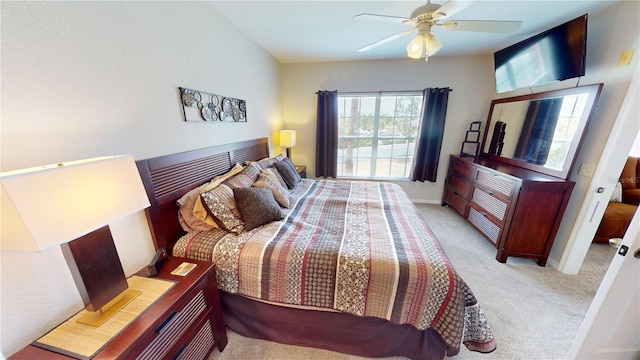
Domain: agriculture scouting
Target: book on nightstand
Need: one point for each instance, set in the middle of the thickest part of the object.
(183, 269)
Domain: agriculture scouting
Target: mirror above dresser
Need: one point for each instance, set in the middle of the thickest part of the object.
(542, 131)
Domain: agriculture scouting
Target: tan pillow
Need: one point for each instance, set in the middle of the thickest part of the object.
(187, 219)
(272, 171)
(281, 194)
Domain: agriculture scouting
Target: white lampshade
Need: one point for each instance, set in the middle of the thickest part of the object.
(287, 138)
(54, 204)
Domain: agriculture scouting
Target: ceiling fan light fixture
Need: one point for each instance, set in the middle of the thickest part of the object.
(415, 47)
(433, 45)
(423, 44)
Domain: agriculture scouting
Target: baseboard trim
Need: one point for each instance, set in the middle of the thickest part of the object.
(428, 202)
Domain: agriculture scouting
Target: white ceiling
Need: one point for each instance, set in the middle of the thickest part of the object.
(313, 31)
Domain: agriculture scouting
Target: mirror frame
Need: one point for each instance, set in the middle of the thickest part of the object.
(594, 93)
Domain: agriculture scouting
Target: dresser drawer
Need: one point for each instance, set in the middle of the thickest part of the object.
(493, 205)
(482, 222)
(495, 183)
(460, 185)
(457, 202)
(463, 168)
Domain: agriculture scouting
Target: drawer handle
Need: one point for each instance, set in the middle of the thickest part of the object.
(166, 322)
(483, 213)
(177, 354)
(489, 192)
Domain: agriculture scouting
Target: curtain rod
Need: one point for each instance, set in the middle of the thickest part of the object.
(380, 92)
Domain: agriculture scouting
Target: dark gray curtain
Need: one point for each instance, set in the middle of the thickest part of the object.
(429, 141)
(537, 132)
(327, 134)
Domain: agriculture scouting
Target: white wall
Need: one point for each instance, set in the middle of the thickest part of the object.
(82, 79)
(470, 77)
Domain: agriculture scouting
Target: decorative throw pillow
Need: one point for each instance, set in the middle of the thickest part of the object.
(257, 206)
(245, 178)
(222, 208)
(268, 162)
(288, 172)
(280, 193)
(186, 218)
(199, 210)
(616, 196)
(273, 172)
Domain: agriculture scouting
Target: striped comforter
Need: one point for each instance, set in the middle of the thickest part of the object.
(356, 247)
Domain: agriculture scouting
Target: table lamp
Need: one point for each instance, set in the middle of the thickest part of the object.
(288, 140)
(70, 205)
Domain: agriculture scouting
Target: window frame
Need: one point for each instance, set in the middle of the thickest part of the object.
(413, 120)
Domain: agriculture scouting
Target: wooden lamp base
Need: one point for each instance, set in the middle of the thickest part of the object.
(97, 318)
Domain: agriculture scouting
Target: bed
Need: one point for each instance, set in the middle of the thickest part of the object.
(348, 266)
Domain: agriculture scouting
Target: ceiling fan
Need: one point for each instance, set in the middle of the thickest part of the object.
(427, 16)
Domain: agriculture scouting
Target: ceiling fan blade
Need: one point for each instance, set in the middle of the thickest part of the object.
(489, 26)
(376, 17)
(386, 40)
(451, 8)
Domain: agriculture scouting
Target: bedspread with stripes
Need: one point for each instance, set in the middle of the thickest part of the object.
(352, 246)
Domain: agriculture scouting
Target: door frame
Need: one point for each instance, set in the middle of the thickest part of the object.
(623, 134)
(608, 324)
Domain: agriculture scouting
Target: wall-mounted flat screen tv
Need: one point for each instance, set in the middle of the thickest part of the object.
(556, 54)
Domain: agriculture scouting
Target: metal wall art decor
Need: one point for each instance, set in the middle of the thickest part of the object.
(200, 106)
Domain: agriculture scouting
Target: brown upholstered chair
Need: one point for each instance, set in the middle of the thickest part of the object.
(618, 215)
(630, 180)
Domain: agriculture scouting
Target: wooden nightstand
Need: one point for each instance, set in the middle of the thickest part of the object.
(185, 321)
(302, 170)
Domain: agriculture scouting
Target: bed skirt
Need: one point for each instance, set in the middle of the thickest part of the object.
(341, 332)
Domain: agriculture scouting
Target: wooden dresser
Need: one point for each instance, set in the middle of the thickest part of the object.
(515, 209)
(185, 322)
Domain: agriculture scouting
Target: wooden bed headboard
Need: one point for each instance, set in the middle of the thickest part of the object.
(166, 178)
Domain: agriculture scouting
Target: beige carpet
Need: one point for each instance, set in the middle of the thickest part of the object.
(534, 312)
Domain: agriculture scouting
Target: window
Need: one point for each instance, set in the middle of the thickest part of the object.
(377, 134)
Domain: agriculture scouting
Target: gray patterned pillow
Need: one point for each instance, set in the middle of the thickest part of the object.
(245, 178)
(288, 172)
(268, 162)
(257, 206)
(221, 213)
